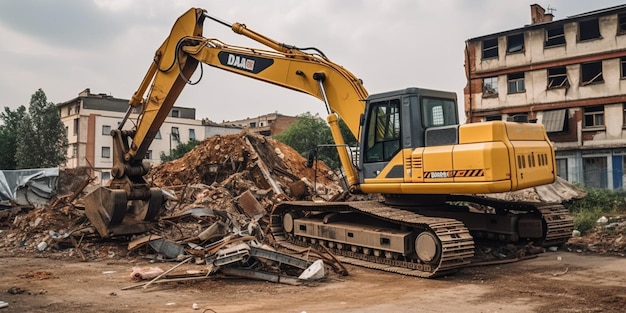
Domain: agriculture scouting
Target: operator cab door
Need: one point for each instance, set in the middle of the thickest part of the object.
(398, 122)
(381, 142)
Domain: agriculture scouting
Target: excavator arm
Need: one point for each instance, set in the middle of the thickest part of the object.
(129, 202)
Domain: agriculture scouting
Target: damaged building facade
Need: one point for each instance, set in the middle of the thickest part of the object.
(568, 74)
(266, 125)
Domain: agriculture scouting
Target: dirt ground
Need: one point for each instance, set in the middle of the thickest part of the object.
(552, 282)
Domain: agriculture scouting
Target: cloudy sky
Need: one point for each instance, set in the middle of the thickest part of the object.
(65, 46)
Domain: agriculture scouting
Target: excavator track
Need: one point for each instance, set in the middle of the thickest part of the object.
(455, 245)
(558, 223)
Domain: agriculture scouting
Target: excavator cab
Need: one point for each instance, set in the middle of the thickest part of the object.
(412, 143)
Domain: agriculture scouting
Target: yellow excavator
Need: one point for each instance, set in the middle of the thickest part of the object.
(411, 150)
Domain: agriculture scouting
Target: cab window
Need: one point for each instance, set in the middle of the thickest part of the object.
(383, 131)
(438, 112)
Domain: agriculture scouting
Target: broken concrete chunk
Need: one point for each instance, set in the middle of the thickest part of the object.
(314, 272)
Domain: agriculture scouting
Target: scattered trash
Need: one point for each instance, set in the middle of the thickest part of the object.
(140, 273)
(575, 233)
(602, 220)
(562, 273)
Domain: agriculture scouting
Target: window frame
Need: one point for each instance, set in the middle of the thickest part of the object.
(621, 23)
(624, 117)
(509, 47)
(517, 79)
(105, 152)
(556, 39)
(592, 30)
(105, 131)
(593, 117)
(593, 78)
(175, 134)
(487, 94)
(559, 165)
(559, 79)
(622, 62)
(489, 49)
(192, 134)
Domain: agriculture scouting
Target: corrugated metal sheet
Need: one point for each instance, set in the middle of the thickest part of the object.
(554, 120)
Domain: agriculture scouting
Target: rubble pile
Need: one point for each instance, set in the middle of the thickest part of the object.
(218, 195)
(245, 161)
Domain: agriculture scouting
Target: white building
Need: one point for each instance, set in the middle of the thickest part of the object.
(568, 74)
(89, 119)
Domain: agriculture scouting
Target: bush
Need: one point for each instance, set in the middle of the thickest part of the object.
(603, 199)
(585, 220)
(589, 209)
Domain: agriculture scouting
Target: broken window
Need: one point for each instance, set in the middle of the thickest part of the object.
(252, 124)
(490, 48)
(516, 82)
(106, 152)
(594, 116)
(515, 43)
(555, 36)
(591, 73)
(621, 23)
(557, 77)
(490, 86)
(589, 29)
(106, 129)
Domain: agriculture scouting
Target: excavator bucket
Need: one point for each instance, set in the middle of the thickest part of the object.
(112, 214)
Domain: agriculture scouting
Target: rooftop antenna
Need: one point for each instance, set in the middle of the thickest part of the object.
(550, 10)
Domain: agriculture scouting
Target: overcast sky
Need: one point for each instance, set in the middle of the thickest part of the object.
(65, 46)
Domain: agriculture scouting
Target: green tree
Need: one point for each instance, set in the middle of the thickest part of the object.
(8, 136)
(180, 150)
(42, 141)
(312, 132)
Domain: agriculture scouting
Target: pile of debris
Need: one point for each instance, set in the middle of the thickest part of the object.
(218, 194)
(608, 237)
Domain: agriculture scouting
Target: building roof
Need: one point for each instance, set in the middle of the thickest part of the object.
(577, 17)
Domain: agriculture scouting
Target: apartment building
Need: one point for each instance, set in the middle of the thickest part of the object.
(568, 74)
(89, 119)
(266, 125)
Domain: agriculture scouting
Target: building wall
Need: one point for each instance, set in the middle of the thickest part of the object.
(589, 154)
(96, 121)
